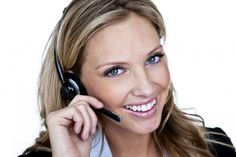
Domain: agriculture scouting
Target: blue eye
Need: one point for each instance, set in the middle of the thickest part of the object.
(154, 59)
(114, 71)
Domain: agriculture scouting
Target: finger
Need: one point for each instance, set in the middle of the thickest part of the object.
(87, 121)
(65, 117)
(94, 120)
(78, 120)
(92, 115)
(89, 99)
(73, 116)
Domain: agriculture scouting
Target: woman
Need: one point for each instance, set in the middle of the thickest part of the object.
(108, 54)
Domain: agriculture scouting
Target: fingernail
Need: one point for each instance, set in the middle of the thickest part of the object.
(93, 130)
(86, 136)
(100, 104)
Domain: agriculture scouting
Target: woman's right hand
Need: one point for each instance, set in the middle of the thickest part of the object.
(71, 129)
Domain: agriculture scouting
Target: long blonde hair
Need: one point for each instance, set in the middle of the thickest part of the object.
(177, 134)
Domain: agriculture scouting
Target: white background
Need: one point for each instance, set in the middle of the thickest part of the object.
(200, 45)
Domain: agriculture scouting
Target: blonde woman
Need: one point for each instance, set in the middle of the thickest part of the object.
(105, 89)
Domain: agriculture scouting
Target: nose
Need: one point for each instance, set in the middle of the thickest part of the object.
(143, 86)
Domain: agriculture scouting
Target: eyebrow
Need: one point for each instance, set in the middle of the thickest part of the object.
(153, 50)
(109, 63)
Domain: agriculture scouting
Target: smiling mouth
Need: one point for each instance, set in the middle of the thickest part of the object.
(141, 108)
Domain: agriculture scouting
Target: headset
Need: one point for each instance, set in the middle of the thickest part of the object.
(71, 86)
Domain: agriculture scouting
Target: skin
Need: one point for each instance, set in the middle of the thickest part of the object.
(142, 76)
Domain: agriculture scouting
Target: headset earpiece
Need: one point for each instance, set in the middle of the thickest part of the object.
(72, 86)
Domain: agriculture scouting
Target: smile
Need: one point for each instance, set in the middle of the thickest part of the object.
(142, 107)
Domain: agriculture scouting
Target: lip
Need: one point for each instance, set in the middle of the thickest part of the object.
(142, 102)
(146, 114)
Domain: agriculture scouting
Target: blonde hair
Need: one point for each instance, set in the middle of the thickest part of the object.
(177, 134)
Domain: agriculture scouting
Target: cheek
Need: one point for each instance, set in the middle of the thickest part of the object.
(106, 91)
(160, 75)
(164, 83)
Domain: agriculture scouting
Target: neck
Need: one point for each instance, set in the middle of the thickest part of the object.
(128, 144)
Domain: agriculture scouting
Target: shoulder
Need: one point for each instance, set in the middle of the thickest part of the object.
(220, 150)
(37, 153)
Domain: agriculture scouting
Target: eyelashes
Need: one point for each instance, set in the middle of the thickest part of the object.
(155, 58)
(117, 70)
(114, 71)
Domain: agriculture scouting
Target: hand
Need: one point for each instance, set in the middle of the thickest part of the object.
(71, 129)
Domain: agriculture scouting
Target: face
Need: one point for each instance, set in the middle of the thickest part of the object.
(125, 68)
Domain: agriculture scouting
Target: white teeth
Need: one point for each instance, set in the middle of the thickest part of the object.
(149, 106)
(143, 107)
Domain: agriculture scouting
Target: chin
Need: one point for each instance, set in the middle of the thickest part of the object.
(148, 128)
(144, 127)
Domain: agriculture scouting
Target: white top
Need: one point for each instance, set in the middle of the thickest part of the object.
(106, 152)
(97, 143)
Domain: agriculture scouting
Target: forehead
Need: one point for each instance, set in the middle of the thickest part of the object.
(135, 34)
